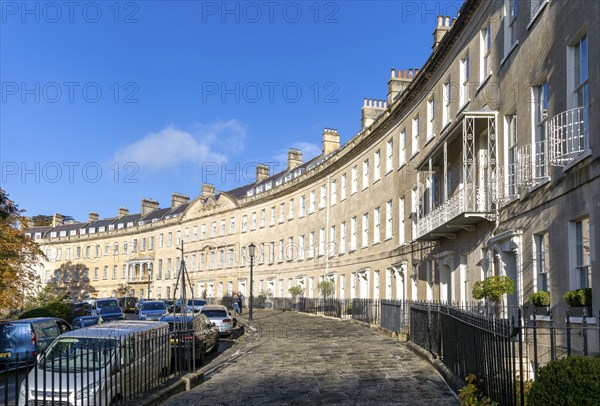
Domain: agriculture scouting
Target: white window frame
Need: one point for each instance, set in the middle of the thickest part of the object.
(342, 247)
(365, 174)
(364, 237)
(415, 134)
(354, 180)
(377, 166)
(376, 225)
(389, 155)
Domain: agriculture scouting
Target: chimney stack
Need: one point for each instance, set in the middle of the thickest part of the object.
(371, 109)
(93, 216)
(122, 212)
(262, 172)
(399, 82)
(177, 199)
(208, 189)
(148, 206)
(294, 158)
(443, 26)
(331, 140)
(57, 220)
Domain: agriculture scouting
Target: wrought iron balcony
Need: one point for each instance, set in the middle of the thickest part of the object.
(532, 164)
(465, 208)
(568, 136)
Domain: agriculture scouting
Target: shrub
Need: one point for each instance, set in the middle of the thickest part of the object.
(579, 297)
(36, 312)
(469, 395)
(540, 299)
(567, 381)
(52, 309)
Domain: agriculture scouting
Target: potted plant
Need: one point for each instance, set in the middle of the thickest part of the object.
(541, 301)
(492, 289)
(580, 300)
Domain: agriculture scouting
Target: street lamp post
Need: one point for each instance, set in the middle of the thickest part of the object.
(251, 251)
(149, 280)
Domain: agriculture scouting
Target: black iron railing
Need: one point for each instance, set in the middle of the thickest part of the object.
(99, 369)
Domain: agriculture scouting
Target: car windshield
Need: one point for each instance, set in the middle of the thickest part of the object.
(154, 306)
(215, 313)
(101, 304)
(76, 354)
(196, 302)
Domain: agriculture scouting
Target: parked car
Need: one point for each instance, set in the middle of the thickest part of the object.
(107, 308)
(99, 365)
(191, 334)
(153, 310)
(170, 305)
(220, 316)
(81, 309)
(194, 305)
(128, 303)
(139, 304)
(86, 321)
(22, 340)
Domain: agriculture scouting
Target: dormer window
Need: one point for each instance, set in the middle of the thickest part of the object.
(111, 227)
(102, 229)
(130, 224)
(73, 232)
(120, 226)
(63, 233)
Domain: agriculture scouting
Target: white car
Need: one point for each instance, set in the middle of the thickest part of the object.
(220, 317)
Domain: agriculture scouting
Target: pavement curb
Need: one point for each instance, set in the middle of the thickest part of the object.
(165, 391)
(187, 382)
(452, 380)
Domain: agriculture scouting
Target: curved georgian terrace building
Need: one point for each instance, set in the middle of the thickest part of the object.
(484, 161)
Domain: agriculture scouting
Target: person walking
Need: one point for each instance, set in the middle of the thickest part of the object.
(239, 301)
(235, 305)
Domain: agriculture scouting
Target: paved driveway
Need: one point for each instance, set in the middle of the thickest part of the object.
(297, 359)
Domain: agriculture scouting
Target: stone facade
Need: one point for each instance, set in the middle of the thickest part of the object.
(484, 161)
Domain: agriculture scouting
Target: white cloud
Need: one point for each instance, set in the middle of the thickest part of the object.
(309, 151)
(172, 147)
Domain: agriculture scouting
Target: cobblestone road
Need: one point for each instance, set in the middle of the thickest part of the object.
(297, 359)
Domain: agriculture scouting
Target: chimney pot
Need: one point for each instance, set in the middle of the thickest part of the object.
(294, 158)
(208, 189)
(262, 172)
(177, 199)
(93, 216)
(148, 206)
(330, 140)
(57, 220)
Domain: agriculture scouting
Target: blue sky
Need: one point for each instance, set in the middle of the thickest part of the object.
(105, 103)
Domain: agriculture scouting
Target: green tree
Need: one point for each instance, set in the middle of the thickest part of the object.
(492, 289)
(326, 287)
(296, 291)
(71, 281)
(19, 255)
(42, 220)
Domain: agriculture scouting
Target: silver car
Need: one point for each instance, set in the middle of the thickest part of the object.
(99, 365)
(220, 316)
(153, 310)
